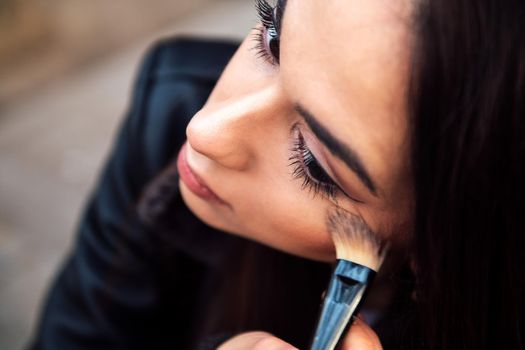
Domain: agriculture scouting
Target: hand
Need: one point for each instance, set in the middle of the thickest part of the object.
(360, 337)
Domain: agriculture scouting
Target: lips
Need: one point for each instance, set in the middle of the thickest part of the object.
(194, 183)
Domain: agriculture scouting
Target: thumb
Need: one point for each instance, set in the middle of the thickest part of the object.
(361, 337)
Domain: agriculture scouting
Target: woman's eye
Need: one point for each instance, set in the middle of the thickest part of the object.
(307, 168)
(313, 176)
(267, 37)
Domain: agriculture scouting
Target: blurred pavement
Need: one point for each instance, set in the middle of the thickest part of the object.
(52, 145)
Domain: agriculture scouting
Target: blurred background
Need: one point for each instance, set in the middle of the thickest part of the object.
(66, 69)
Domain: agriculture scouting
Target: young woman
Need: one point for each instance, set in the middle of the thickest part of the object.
(408, 114)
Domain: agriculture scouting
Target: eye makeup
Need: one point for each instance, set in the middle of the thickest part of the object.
(307, 168)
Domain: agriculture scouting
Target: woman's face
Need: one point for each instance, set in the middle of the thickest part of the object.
(300, 125)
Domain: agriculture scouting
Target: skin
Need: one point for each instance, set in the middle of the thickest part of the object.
(347, 63)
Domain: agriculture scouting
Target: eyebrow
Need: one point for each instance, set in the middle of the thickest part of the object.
(338, 148)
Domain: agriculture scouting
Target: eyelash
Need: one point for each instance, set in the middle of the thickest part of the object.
(266, 38)
(305, 166)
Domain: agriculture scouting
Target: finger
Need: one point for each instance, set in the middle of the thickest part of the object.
(361, 337)
(256, 341)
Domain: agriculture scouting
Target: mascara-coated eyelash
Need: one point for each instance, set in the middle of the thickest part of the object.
(307, 168)
(267, 37)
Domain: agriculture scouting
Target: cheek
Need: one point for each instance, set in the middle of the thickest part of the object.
(268, 206)
(284, 217)
(299, 231)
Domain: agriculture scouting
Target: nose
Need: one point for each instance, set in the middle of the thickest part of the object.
(227, 131)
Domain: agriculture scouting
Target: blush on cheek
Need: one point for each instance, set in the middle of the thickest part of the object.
(306, 239)
(292, 222)
(319, 248)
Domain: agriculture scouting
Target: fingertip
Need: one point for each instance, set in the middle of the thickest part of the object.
(361, 337)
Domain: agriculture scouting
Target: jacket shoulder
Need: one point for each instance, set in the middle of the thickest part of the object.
(190, 57)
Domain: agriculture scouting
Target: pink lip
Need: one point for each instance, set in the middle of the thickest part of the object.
(192, 181)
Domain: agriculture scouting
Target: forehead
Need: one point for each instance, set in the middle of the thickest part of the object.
(347, 62)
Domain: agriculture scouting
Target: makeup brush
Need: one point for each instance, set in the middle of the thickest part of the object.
(360, 254)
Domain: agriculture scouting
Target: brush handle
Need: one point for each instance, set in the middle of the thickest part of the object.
(346, 289)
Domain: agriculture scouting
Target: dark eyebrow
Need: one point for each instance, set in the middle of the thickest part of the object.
(338, 148)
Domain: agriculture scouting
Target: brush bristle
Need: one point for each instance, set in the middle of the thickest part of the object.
(354, 240)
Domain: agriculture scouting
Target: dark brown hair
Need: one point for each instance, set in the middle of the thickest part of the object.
(468, 157)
